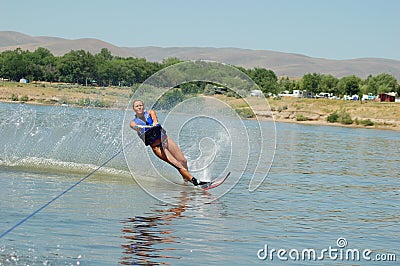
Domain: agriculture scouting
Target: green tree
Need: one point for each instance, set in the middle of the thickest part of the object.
(76, 67)
(286, 84)
(42, 64)
(311, 83)
(329, 84)
(104, 55)
(139, 69)
(349, 85)
(115, 71)
(14, 64)
(381, 83)
(170, 61)
(369, 86)
(386, 83)
(192, 87)
(170, 99)
(265, 79)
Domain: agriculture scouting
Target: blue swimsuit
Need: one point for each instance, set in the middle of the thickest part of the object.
(149, 135)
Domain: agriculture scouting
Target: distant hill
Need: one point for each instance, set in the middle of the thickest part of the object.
(283, 64)
(10, 40)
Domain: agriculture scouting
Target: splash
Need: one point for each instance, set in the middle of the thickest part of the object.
(59, 138)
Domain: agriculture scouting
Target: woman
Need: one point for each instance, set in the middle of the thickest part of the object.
(153, 135)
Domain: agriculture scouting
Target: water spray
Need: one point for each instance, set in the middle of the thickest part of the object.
(63, 193)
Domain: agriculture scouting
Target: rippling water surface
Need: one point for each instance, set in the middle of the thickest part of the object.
(325, 183)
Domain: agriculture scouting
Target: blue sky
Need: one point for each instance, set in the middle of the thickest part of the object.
(333, 29)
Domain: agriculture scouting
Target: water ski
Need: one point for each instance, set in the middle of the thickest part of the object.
(216, 182)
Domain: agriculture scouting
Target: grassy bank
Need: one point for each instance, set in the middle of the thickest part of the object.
(316, 111)
(286, 109)
(57, 94)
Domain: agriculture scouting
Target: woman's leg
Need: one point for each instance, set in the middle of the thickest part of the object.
(174, 149)
(167, 156)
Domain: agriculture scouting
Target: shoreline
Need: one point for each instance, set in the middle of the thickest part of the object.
(286, 109)
(383, 115)
(325, 123)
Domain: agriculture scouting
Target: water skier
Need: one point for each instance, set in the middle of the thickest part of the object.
(153, 135)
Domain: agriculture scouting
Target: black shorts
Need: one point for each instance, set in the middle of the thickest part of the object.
(152, 134)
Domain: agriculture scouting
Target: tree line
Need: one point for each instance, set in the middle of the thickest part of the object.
(76, 66)
(104, 69)
(317, 83)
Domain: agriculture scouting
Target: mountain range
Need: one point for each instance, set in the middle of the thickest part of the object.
(283, 64)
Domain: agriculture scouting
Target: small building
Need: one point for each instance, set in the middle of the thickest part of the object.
(256, 93)
(368, 97)
(308, 94)
(323, 95)
(387, 97)
(351, 98)
(297, 94)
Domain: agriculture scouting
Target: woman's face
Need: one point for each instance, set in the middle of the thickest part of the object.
(138, 107)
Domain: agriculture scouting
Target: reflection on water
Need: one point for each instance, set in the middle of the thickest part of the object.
(145, 233)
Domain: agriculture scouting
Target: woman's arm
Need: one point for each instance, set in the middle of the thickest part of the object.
(154, 117)
(134, 126)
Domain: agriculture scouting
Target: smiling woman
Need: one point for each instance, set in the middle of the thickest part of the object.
(153, 135)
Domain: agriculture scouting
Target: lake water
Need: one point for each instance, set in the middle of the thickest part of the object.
(329, 188)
